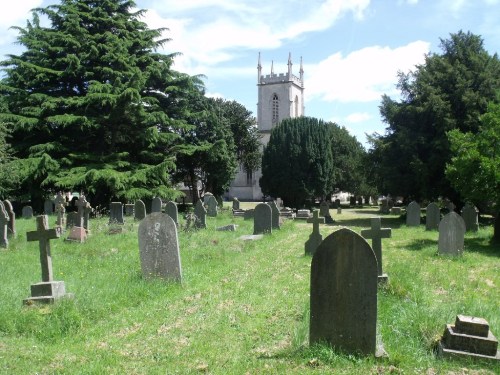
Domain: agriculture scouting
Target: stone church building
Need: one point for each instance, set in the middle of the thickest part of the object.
(280, 96)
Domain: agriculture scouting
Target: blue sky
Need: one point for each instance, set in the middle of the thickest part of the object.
(351, 49)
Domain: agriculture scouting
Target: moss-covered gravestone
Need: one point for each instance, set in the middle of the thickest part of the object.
(262, 219)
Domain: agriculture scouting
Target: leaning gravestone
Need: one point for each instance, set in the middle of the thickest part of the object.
(432, 216)
(201, 215)
(48, 290)
(159, 247)
(315, 237)
(156, 204)
(470, 216)
(172, 211)
(4, 221)
(211, 206)
(413, 214)
(27, 212)
(262, 219)
(11, 226)
(376, 233)
(48, 207)
(343, 294)
(116, 213)
(275, 215)
(139, 210)
(451, 235)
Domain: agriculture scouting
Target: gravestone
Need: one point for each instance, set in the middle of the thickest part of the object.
(86, 217)
(159, 247)
(384, 206)
(4, 229)
(59, 200)
(263, 219)
(116, 213)
(48, 207)
(61, 216)
(78, 232)
(236, 204)
(451, 234)
(71, 220)
(339, 210)
(129, 209)
(413, 214)
(376, 233)
(47, 290)
(211, 206)
(395, 210)
(156, 204)
(432, 216)
(315, 237)
(139, 210)
(27, 212)
(201, 215)
(343, 295)
(303, 214)
(11, 226)
(206, 197)
(275, 212)
(470, 216)
(324, 211)
(172, 211)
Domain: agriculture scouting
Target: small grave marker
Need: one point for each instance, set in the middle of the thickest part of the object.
(156, 204)
(432, 216)
(236, 204)
(275, 213)
(211, 206)
(201, 215)
(470, 216)
(48, 207)
(413, 214)
(116, 213)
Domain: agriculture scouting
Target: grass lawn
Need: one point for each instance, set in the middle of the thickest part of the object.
(243, 306)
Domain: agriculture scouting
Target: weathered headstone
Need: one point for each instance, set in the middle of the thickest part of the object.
(432, 216)
(78, 232)
(159, 247)
(4, 221)
(211, 206)
(236, 204)
(470, 216)
(263, 219)
(201, 215)
(61, 216)
(27, 212)
(48, 207)
(343, 294)
(116, 213)
(129, 209)
(315, 237)
(275, 212)
(413, 214)
(60, 200)
(81, 204)
(172, 211)
(156, 204)
(206, 197)
(139, 210)
(451, 234)
(324, 211)
(11, 226)
(384, 206)
(376, 233)
(48, 290)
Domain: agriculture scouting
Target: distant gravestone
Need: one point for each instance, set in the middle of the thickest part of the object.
(343, 295)
(395, 210)
(116, 213)
(139, 210)
(27, 212)
(263, 219)
(384, 206)
(206, 197)
(470, 216)
(211, 206)
(81, 204)
(156, 204)
(413, 214)
(4, 221)
(324, 211)
(201, 215)
(129, 209)
(236, 204)
(59, 200)
(432, 216)
(172, 211)
(376, 233)
(48, 290)
(451, 235)
(48, 207)
(337, 203)
(315, 237)
(303, 214)
(71, 220)
(275, 212)
(159, 247)
(86, 217)
(11, 226)
(61, 216)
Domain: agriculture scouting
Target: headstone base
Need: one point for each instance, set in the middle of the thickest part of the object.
(312, 243)
(47, 292)
(451, 353)
(77, 234)
(382, 279)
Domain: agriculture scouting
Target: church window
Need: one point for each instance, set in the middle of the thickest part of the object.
(275, 108)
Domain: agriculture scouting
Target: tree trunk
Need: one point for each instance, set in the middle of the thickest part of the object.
(496, 228)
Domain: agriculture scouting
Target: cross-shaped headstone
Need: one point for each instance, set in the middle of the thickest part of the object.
(43, 234)
(376, 233)
(315, 237)
(81, 203)
(59, 200)
(316, 220)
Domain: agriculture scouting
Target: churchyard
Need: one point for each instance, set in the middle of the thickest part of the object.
(242, 306)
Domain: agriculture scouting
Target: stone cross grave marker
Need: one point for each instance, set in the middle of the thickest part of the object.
(315, 237)
(172, 211)
(413, 214)
(139, 210)
(211, 206)
(86, 217)
(376, 233)
(159, 247)
(236, 204)
(156, 204)
(116, 213)
(4, 221)
(59, 199)
(27, 212)
(343, 295)
(451, 234)
(81, 203)
(11, 226)
(470, 216)
(76, 221)
(48, 290)
(201, 215)
(432, 216)
(275, 215)
(48, 207)
(262, 219)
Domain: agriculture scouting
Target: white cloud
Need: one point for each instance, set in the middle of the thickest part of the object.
(16, 15)
(358, 117)
(363, 75)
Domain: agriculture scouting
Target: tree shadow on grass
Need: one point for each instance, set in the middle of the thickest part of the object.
(391, 222)
(478, 245)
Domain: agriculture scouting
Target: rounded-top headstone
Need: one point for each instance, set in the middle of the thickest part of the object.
(451, 234)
